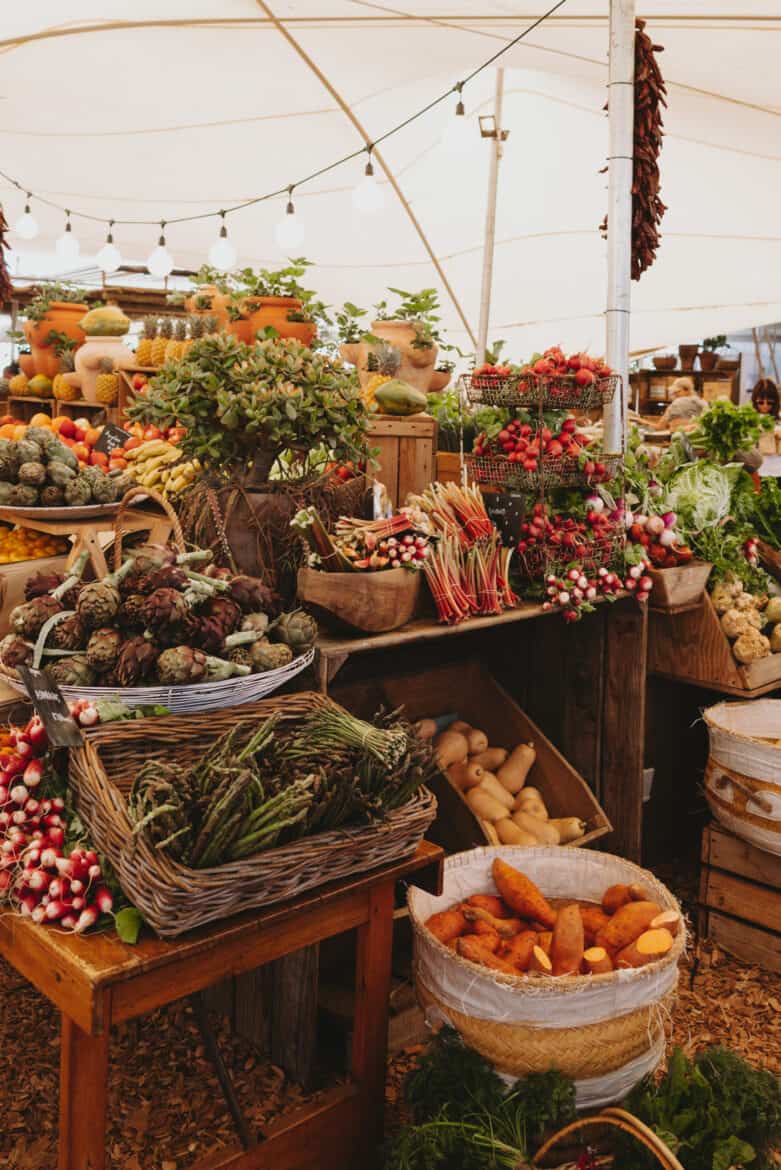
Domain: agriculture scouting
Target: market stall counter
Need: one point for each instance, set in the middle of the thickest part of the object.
(98, 982)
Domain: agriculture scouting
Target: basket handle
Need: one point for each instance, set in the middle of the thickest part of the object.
(125, 502)
(621, 1120)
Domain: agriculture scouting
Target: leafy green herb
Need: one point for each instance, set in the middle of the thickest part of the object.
(128, 923)
(725, 429)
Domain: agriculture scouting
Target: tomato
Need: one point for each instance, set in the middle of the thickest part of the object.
(81, 452)
(152, 433)
(131, 444)
(67, 428)
(117, 463)
(139, 381)
(98, 459)
(175, 434)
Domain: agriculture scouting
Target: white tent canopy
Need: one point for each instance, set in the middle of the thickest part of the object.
(160, 111)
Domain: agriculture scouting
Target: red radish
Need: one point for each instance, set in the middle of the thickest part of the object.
(104, 900)
(654, 525)
(56, 836)
(89, 717)
(78, 904)
(39, 914)
(68, 922)
(19, 794)
(49, 858)
(33, 774)
(35, 734)
(87, 918)
(55, 909)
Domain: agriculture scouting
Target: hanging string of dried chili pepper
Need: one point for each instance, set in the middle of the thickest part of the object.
(5, 277)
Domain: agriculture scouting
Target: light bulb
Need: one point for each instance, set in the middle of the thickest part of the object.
(67, 246)
(109, 257)
(160, 262)
(459, 136)
(26, 225)
(222, 253)
(368, 197)
(289, 232)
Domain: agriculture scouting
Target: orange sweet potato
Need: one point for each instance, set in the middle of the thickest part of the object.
(668, 920)
(566, 952)
(540, 962)
(491, 903)
(628, 922)
(521, 894)
(487, 935)
(596, 961)
(614, 897)
(504, 927)
(519, 950)
(475, 950)
(544, 940)
(594, 919)
(447, 924)
(650, 946)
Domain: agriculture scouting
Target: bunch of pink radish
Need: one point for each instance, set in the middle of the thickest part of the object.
(66, 891)
(84, 712)
(575, 592)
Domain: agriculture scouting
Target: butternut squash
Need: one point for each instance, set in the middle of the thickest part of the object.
(510, 834)
(450, 748)
(516, 767)
(466, 774)
(545, 833)
(485, 806)
(490, 784)
(491, 759)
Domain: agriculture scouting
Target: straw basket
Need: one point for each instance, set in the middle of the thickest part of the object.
(743, 774)
(605, 1031)
(174, 898)
(602, 1130)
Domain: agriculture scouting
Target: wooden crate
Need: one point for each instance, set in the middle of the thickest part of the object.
(692, 647)
(468, 691)
(679, 588)
(448, 467)
(406, 457)
(740, 897)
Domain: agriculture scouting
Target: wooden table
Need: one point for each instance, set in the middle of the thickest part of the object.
(98, 981)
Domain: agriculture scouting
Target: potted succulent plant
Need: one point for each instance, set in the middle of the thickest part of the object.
(708, 355)
(412, 327)
(211, 296)
(274, 299)
(54, 309)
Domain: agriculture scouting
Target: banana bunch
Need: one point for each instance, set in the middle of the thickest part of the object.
(156, 464)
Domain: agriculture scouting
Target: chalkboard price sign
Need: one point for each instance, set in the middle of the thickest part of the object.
(507, 510)
(45, 696)
(111, 437)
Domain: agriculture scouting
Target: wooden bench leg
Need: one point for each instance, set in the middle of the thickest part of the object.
(370, 1035)
(83, 1094)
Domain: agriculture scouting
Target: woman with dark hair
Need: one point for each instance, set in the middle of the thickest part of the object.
(765, 397)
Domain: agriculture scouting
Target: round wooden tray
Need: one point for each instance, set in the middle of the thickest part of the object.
(88, 512)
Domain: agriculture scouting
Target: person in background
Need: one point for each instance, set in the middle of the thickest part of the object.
(765, 397)
(11, 369)
(686, 406)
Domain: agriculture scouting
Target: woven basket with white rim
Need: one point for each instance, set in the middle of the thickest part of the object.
(605, 1031)
(743, 774)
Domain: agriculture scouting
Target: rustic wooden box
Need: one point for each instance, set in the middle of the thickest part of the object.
(407, 453)
(448, 467)
(740, 898)
(467, 690)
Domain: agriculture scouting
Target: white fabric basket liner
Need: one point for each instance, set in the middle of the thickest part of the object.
(765, 839)
(568, 1001)
(737, 731)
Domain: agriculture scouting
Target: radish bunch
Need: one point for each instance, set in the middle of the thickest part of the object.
(575, 592)
(68, 891)
(658, 537)
(568, 535)
(584, 369)
(394, 552)
(523, 444)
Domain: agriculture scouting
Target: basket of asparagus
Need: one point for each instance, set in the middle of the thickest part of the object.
(202, 819)
(166, 628)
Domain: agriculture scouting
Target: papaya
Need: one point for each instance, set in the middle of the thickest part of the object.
(108, 321)
(40, 387)
(397, 397)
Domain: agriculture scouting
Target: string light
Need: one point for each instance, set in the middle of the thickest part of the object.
(222, 253)
(26, 225)
(459, 136)
(109, 257)
(289, 232)
(160, 262)
(67, 246)
(368, 197)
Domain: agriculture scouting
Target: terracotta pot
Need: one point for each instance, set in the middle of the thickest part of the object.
(730, 364)
(349, 351)
(303, 331)
(218, 307)
(687, 354)
(242, 330)
(664, 363)
(27, 364)
(708, 359)
(273, 311)
(439, 380)
(61, 317)
(417, 364)
(88, 358)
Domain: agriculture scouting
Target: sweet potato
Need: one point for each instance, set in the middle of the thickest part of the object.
(516, 767)
(614, 897)
(473, 949)
(628, 922)
(491, 785)
(477, 740)
(596, 961)
(594, 919)
(647, 948)
(511, 834)
(519, 950)
(504, 927)
(491, 903)
(544, 831)
(447, 924)
(466, 774)
(544, 940)
(569, 828)
(521, 894)
(539, 961)
(566, 951)
(425, 728)
(487, 935)
(491, 759)
(667, 920)
(450, 748)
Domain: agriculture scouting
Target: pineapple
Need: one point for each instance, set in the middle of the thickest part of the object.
(197, 327)
(175, 349)
(384, 364)
(61, 386)
(210, 325)
(107, 382)
(145, 343)
(160, 343)
(18, 385)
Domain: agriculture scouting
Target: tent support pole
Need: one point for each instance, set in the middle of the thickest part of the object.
(377, 156)
(497, 146)
(619, 217)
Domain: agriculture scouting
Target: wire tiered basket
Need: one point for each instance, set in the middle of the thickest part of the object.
(549, 391)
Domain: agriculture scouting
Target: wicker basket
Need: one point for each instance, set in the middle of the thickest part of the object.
(602, 1130)
(174, 898)
(743, 774)
(556, 392)
(498, 470)
(605, 1031)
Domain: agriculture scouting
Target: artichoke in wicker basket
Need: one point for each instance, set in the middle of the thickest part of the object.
(225, 612)
(298, 630)
(180, 665)
(259, 622)
(268, 656)
(38, 584)
(131, 612)
(98, 603)
(165, 610)
(72, 672)
(14, 651)
(78, 492)
(69, 634)
(166, 577)
(250, 593)
(103, 648)
(28, 618)
(136, 662)
(240, 656)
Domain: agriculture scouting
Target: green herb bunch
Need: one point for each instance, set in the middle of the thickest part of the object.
(45, 294)
(277, 397)
(725, 429)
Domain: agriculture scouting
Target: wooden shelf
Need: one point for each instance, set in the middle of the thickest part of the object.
(642, 380)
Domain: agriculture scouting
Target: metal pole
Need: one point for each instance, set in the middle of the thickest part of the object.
(619, 217)
(490, 222)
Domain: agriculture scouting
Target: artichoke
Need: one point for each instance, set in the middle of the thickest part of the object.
(151, 556)
(250, 593)
(57, 452)
(37, 584)
(225, 612)
(9, 460)
(297, 630)
(103, 648)
(78, 492)
(218, 669)
(242, 656)
(255, 621)
(14, 651)
(208, 634)
(266, 656)
(131, 612)
(6, 491)
(166, 577)
(69, 634)
(123, 482)
(33, 474)
(181, 665)
(59, 473)
(165, 608)
(40, 435)
(71, 672)
(104, 489)
(136, 661)
(28, 451)
(98, 603)
(22, 495)
(52, 496)
(28, 618)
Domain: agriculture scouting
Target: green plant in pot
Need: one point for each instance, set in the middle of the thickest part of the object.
(708, 354)
(54, 309)
(274, 409)
(411, 325)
